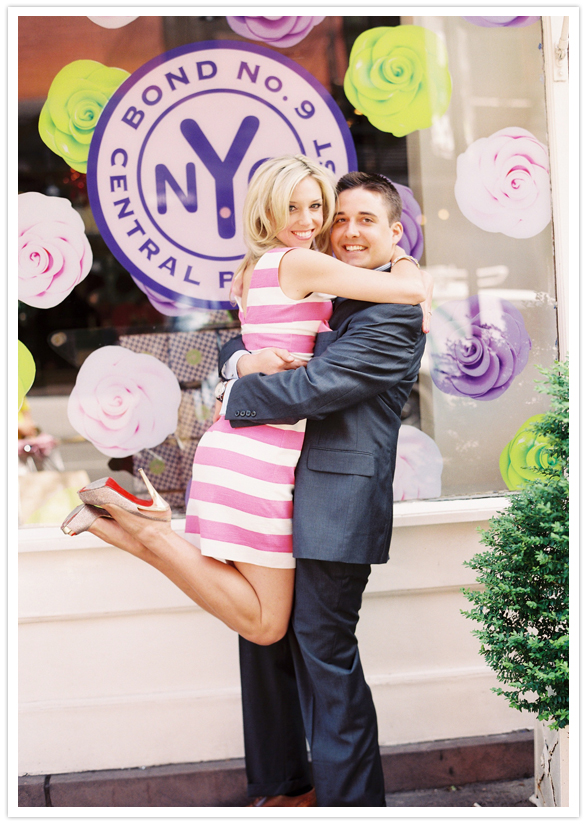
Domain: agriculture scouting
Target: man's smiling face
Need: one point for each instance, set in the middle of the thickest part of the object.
(361, 234)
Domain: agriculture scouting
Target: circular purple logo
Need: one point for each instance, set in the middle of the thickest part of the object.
(174, 151)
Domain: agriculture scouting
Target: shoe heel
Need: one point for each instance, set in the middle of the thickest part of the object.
(159, 503)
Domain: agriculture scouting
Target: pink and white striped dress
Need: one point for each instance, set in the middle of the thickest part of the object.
(241, 497)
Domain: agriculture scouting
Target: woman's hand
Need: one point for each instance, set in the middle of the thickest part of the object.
(427, 302)
(268, 361)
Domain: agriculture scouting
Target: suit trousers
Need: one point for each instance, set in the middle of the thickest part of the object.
(310, 685)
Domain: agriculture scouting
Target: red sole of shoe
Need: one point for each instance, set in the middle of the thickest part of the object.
(144, 502)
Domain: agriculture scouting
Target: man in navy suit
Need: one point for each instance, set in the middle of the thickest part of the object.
(310, 685)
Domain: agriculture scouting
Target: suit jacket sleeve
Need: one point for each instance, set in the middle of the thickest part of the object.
(375, 352)
(229, 349)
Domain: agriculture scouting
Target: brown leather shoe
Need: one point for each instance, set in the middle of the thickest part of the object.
(305, 800)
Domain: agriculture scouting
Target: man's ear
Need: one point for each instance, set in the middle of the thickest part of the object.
(397, 231)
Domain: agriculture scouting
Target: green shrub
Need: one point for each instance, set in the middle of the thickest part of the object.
(523, 606)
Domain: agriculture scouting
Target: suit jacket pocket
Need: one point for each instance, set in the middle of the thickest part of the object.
(345, 462)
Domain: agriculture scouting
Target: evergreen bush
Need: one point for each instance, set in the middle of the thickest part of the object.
(524, 604)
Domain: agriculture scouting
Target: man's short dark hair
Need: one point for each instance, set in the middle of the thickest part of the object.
(374, 183)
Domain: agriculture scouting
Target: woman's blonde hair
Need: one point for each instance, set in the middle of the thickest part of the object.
(266, 207)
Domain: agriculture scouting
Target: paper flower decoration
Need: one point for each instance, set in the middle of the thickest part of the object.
(494, 22)
(479, 345)
(124, 401)
(113, 21)
(412, 240)
(418, 466)
(503, 183)
(76, 98)
(26, 372)
(276, 31)
(398, 78)
(54, 254)
(166, 306)
(526, 456)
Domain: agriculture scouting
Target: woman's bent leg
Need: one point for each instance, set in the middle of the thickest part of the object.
(112, 533)
(253, 600)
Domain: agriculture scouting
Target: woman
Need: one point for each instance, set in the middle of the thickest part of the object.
(241, 496)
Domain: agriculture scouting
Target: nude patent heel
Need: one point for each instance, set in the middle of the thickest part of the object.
(82, 518)
(107, 491)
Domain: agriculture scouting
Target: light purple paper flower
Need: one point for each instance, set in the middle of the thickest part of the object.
(412, 240)
(418, 466)
(124, 401)
(503, 183)
(479, 345)
(166, 306)
(495, 22)
(54, 254)
(276, 31)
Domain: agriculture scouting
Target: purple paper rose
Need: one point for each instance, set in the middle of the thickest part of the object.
(503, 183)
(495, 22)
(418, 466)
(166, 306)
(479, 345)
(412, 240)
(276, 31)
(54, 254)
(124, 401)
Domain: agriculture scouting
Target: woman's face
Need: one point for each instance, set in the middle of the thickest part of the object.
(305, 215)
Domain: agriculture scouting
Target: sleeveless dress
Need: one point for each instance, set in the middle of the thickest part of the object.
(241, 496)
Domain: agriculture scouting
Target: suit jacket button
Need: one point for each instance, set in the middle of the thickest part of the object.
(248, 413)
(237, 413)
(253, 413)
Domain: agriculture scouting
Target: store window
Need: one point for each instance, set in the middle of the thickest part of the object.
(467, 147)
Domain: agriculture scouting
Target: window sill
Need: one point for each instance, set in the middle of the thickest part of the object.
(452, 511)
(39, 538)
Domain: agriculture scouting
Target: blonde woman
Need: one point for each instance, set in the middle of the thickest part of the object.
(235, 559)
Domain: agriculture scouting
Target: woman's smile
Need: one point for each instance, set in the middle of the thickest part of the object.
(305, 215)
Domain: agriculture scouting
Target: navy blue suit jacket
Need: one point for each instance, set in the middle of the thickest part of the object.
(352, 393)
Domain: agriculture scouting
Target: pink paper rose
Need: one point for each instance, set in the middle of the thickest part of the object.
(276, 31)
(53, 252)
(503, 183)
(124, 401)
(418, 466)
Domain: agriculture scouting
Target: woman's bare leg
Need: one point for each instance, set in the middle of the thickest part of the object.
(112, 533)
(253, 600)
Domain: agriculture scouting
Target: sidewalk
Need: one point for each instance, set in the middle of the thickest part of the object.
(488, 771)
(513, 793)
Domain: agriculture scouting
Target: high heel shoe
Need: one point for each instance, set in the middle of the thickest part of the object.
(82, 518)
(107, 491)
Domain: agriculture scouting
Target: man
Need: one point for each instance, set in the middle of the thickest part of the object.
(311, 684)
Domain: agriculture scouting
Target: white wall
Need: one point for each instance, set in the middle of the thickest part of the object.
(119, 669)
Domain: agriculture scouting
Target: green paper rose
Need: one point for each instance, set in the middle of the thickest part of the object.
(398, 78)
(26, 372)
(76, 98)
(526, 456)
